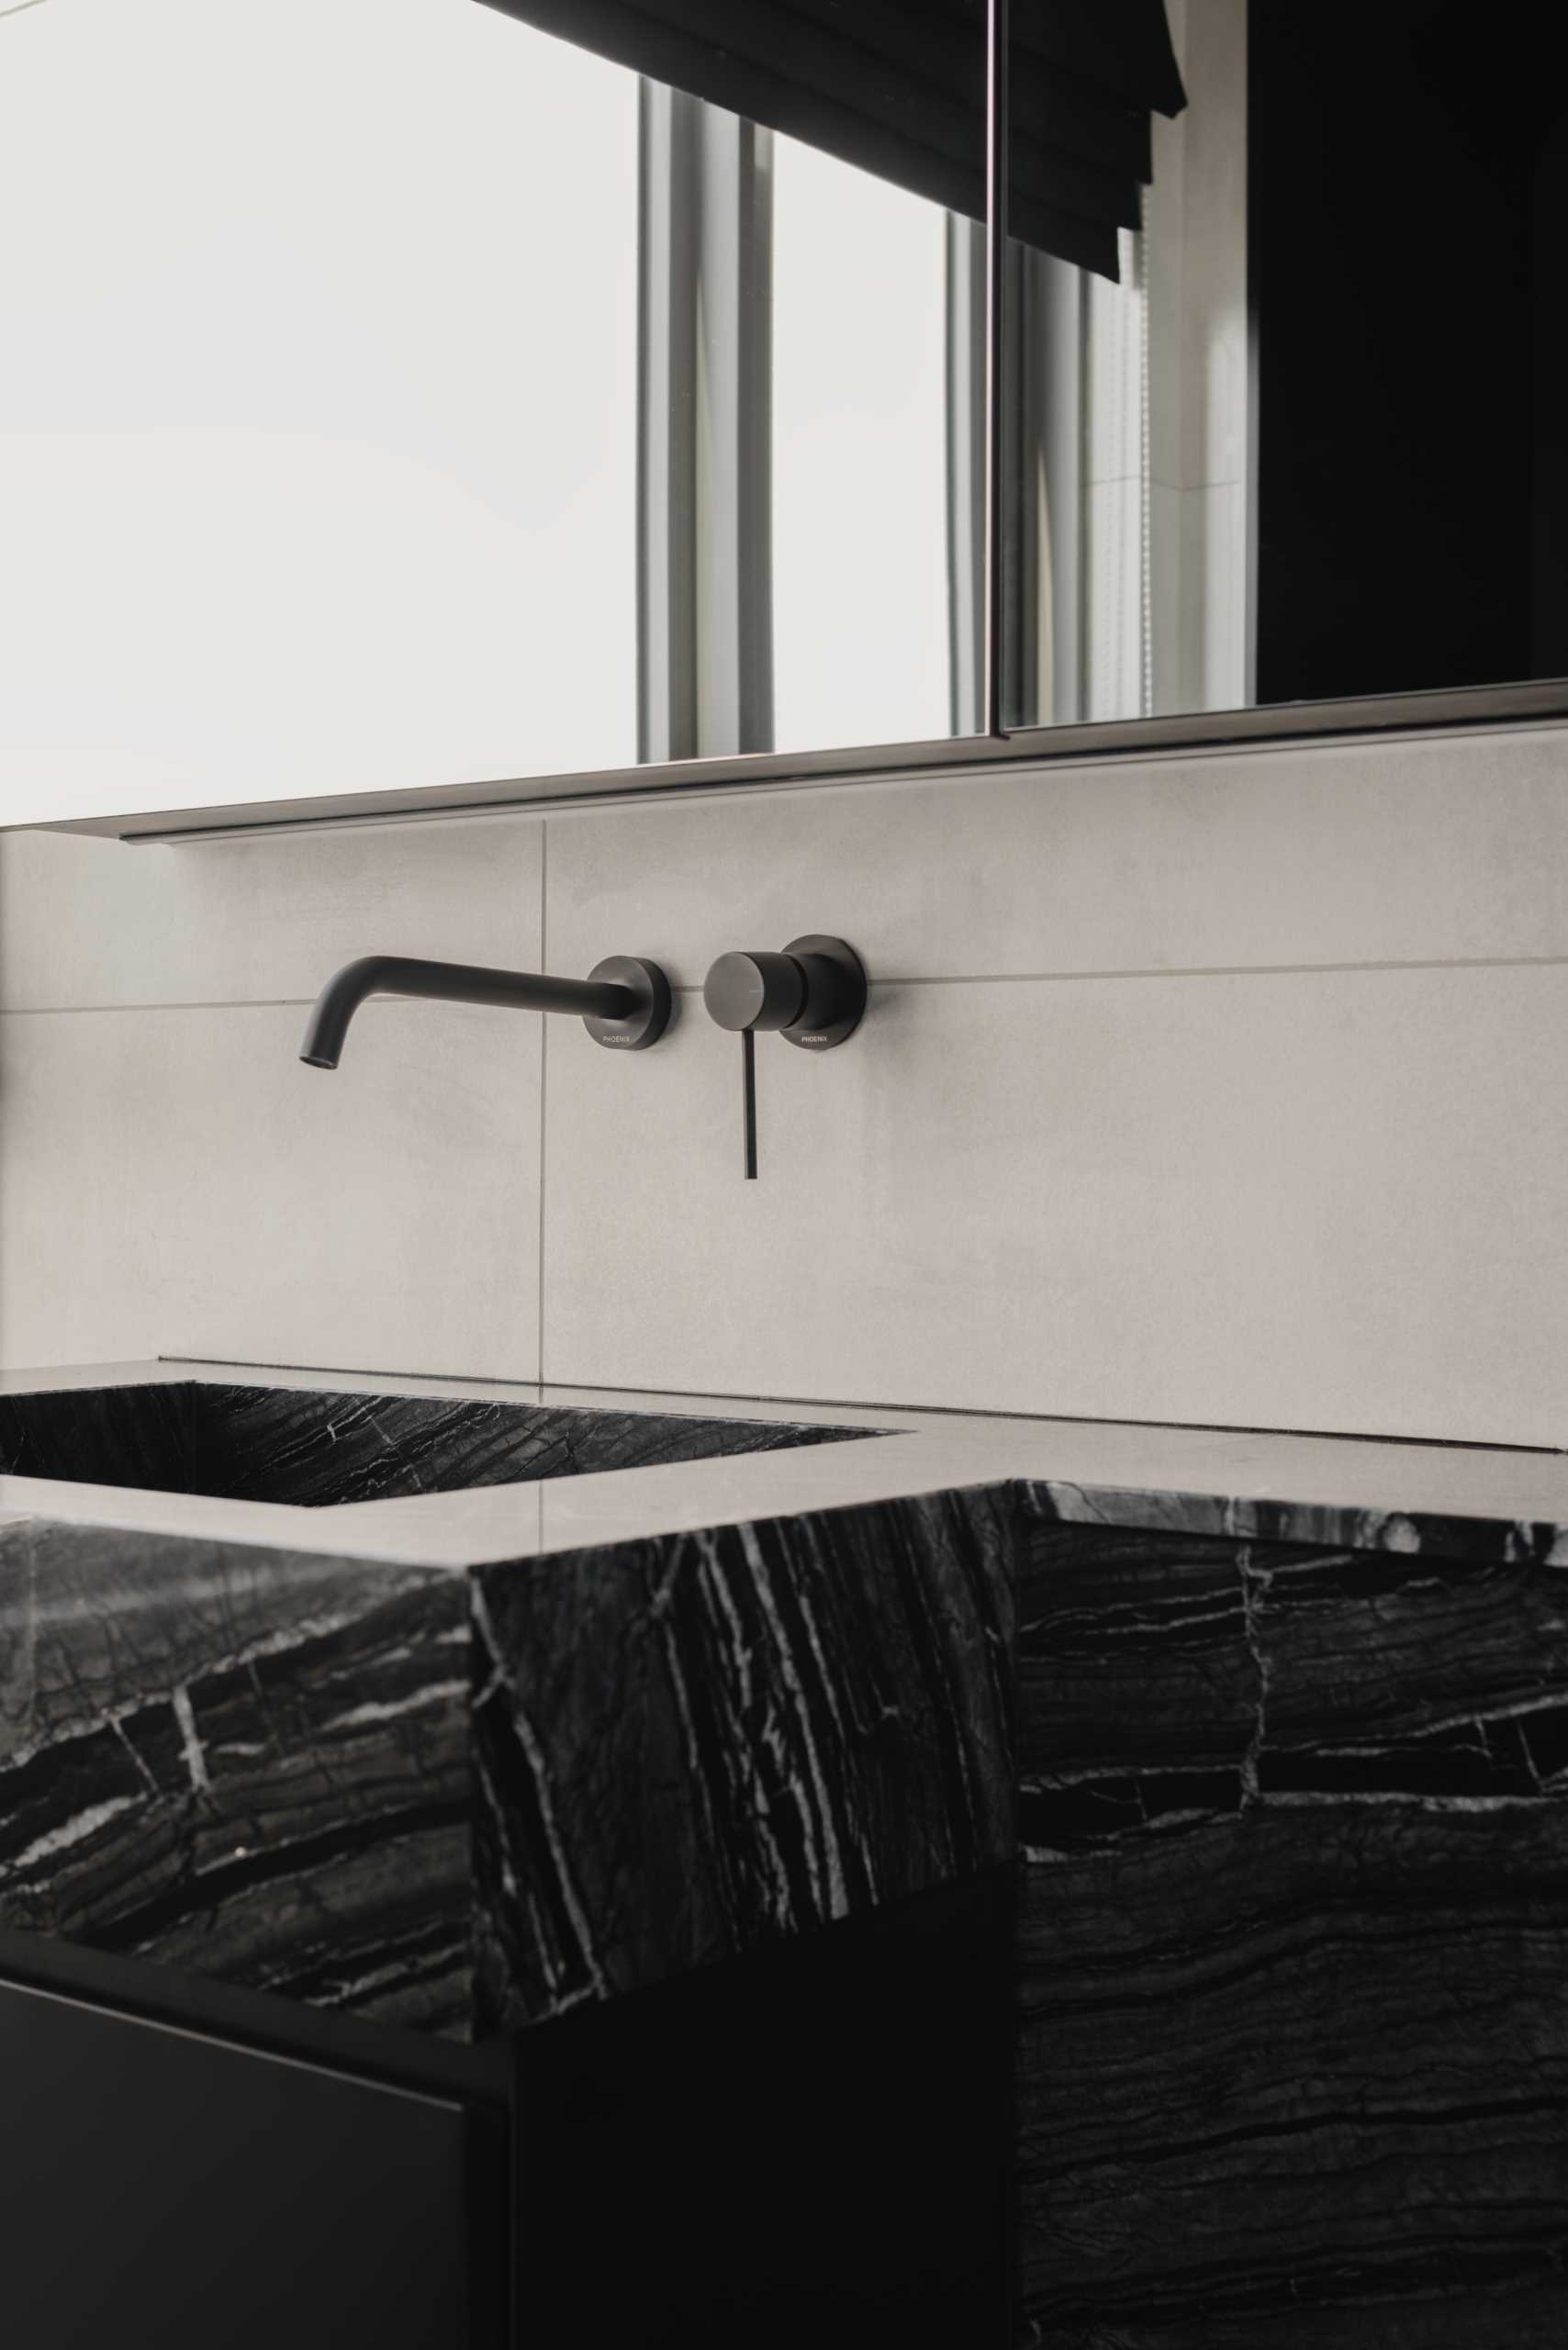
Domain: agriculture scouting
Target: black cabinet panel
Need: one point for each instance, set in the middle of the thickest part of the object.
(804, 2149)
(156, 2187)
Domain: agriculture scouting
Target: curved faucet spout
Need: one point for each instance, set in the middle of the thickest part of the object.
(629, 1001)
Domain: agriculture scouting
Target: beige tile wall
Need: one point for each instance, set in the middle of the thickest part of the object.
(173, 1180)
(1221, 1088)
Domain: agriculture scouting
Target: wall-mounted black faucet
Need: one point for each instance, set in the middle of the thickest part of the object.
(623, 1002)
(814, 992)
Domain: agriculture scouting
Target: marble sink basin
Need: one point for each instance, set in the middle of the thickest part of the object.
(372, 1761)
(316, 1448)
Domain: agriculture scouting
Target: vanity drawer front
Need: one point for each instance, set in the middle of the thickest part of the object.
(160, 2186)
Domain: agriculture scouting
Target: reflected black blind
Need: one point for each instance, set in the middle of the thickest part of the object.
(898, 87)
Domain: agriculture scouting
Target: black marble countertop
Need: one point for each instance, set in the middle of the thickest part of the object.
(359, 1756)
(1362, 1493)
(1254, 1748)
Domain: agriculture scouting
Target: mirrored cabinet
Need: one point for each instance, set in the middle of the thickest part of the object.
(1284, 416)
(417, 393)
(443, 402)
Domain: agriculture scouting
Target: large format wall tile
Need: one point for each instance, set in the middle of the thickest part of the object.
(1326, 1201)
(1422, 851)
(93, 921)
(1305, 1197)
(176, 1182)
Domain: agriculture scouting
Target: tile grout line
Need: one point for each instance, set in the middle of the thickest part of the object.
(886, 980)
(1220, 971)
(374, 1003)
(544, 1079)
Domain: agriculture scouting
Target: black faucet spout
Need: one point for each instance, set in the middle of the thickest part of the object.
(623, 1001)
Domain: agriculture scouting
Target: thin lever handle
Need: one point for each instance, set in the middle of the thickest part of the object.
(748, 1101)
(814, 992)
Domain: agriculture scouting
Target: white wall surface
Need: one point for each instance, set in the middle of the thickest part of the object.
(1217, 1090)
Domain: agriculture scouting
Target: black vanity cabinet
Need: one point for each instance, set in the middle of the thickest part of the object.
(343, 2005)
(158, 2185)
(807, 2145)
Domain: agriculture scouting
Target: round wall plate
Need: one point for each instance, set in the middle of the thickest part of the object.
(648, 1019)
(836, 992)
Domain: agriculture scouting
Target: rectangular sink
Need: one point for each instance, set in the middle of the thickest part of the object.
(314, 1447)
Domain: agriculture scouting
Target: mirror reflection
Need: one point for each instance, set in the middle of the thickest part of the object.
(414, 392)
(397, 392)
(1295, 429)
